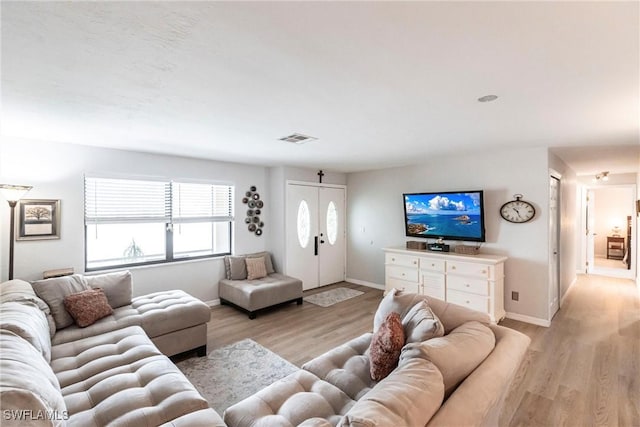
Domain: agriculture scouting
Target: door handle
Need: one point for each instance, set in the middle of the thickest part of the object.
(315, 246)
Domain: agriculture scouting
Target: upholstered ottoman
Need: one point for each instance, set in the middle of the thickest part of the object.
(174, 320)
(253, 295)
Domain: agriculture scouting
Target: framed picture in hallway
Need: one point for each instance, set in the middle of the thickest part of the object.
(38, 219)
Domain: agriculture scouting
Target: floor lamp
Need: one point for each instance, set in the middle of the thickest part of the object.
(13, 193)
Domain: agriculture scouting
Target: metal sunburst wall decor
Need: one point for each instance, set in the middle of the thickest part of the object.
(254, 204)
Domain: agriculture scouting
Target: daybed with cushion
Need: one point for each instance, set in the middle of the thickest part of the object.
(108, 373)
(452, 368)
(252, 284)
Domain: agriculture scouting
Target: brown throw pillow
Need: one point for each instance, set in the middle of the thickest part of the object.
(87, 307)
(256, 268)
(385, 348)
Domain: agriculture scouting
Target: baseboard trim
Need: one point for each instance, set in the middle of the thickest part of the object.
(213, 303)
(364, 283)
(528, 319)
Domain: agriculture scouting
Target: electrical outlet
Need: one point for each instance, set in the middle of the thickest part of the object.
(515, 295)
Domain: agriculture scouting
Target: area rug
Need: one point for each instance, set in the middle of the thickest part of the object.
(231, 373)
(333, 296)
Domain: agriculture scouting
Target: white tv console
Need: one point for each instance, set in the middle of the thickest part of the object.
(473, 281)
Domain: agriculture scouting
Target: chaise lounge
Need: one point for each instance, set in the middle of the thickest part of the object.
(111, 372)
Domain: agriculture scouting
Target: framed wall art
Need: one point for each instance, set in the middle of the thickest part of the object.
(38, 219)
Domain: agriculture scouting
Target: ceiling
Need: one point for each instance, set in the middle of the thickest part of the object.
(380, 84)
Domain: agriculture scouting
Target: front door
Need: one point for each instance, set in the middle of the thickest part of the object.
(315, 230)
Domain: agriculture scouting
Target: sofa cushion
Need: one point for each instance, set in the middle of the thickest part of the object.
(27, 382)
(88, 306)
(237, 267)
(26, 320)
(386, 344)
(53, 291)
(121, 378)
(267, 260)
(394, 301)
(451, 315)
(346, 366)
(21, 291)
(157, 313)
(296, 399)
(420, 324)
(409, 396)
(457, 354)
(117, 286)
(256, 268)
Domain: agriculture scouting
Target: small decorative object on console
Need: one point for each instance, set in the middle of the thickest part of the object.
(411, 244)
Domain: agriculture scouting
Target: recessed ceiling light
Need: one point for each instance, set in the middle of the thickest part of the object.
(298, 138)
(487, 98)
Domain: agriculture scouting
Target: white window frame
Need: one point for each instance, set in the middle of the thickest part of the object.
(161, 211)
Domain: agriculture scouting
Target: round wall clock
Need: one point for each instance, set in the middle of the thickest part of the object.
(517, 211)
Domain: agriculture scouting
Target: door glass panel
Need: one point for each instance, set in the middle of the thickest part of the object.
(332, 223)
(304, 224)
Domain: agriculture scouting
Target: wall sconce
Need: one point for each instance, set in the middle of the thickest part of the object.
(13, 193)
(602, 176)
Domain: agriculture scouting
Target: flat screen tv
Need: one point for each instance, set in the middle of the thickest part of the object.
(450, 215)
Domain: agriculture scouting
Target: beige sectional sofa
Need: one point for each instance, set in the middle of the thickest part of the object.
(458, 379)
(112, 372)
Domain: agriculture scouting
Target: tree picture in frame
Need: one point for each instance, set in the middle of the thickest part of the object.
(38, 219)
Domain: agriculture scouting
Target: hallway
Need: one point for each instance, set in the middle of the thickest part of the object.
(585, 368)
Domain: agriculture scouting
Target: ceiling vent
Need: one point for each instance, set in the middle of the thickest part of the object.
(298, 138)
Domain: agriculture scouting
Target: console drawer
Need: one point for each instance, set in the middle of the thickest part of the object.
(403, 273)
(434, 291)
(432, 264)
(474, 302)
(469, 284)
(402, 285)
(433, 280)
(402, 260)
(470, 269)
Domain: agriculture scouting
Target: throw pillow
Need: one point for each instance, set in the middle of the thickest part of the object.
(267, 260)
(117, 286)
(457, 354)
(421, 324)
(87, 307)
(395, 301)
(53, 291)
(385, 348)
(237, 268)
(256, 269)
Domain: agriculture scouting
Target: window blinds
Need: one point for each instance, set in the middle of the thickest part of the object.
(109, 200)
(201, 202)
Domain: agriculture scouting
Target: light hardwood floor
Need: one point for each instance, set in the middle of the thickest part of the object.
(584, 370)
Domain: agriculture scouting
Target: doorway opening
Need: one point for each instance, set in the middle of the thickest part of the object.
(610, 246)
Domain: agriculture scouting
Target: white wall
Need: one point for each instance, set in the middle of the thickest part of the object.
(56, 172)
(375, 220)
